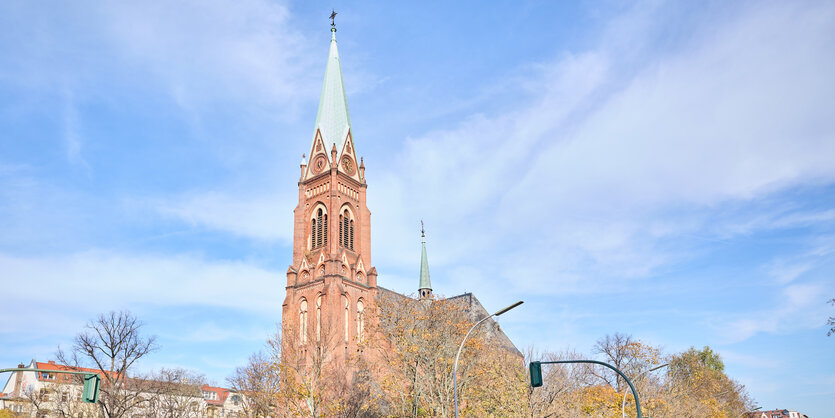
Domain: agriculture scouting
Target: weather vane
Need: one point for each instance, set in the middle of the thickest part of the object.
(333, 17)
(422, 234)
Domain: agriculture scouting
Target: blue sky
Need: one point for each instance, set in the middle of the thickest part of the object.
(664, 169)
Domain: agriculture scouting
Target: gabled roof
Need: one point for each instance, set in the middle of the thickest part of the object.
(332, 119)
(222, 394)
(61, 367)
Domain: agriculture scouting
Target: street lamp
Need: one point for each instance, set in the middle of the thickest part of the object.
(623, 403)
(461, 347)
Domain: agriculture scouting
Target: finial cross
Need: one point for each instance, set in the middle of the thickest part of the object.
(333, 17)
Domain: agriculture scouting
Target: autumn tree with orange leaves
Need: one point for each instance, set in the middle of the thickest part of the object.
(417, 342)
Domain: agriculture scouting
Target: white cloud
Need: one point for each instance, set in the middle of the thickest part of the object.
(613, 169)
(264, 216)
(785, 272)
(212, 332)
(796, 306)
(72, 133)
(95, 281)
(201, 52)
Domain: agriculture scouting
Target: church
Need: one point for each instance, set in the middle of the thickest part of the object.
(332, 287)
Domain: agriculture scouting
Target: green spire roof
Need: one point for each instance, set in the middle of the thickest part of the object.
(332, 119)
(424, 263)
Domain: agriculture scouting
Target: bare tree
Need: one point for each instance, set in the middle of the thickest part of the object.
(352, 391)
(831, 321)
(112, 343)
(39, 399)
(259, 381)
(175, 393)
(67, 397)
(308, 365)
(562, 384)
(629, 355)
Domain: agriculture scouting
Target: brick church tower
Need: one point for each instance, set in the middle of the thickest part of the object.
(331, 284)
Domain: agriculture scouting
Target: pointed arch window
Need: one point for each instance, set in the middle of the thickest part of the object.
(346, 230)
(319, 318)
(303, 321)
(345, 305)
(360, 320)
(319, 229)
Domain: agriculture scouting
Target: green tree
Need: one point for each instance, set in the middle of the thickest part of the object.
(698, 386)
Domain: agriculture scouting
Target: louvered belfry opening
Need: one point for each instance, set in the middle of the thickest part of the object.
(346, 230)
(351, 238)
(319, 229)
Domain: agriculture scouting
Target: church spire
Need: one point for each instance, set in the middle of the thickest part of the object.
(332, 120)
(425, 286)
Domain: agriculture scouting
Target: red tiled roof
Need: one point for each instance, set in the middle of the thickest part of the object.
(61, 377)
(222, 393)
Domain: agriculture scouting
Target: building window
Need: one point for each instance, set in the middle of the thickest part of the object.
(319, 229)
(303, 321)
(360, 320)
(346, 230)
(345, 304)
(319, 318)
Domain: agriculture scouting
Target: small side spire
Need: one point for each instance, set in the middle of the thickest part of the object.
(425, 286)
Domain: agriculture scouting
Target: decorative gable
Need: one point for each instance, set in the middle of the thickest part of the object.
(319, 161)
(348, 163)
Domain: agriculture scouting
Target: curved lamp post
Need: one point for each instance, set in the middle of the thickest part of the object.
(625, 391)
(753, 410)
(461, 347)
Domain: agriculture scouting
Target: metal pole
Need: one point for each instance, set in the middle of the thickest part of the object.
(634, 392)
(753, 410)
(623, 403)
(24, 369)
(461, 347)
